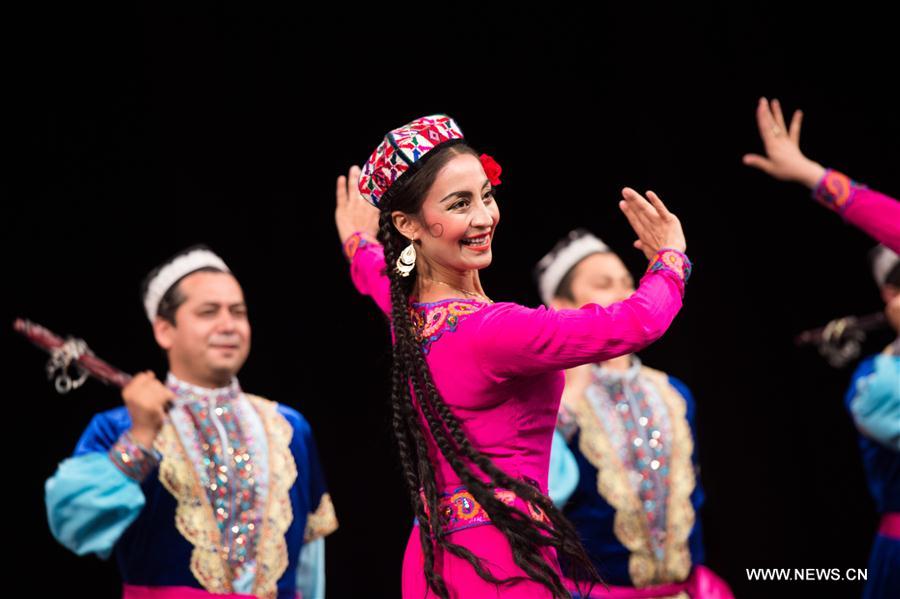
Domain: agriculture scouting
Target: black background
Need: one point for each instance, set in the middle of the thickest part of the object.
(150, 129)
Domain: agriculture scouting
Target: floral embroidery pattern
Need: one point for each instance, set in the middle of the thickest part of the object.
(431, 320)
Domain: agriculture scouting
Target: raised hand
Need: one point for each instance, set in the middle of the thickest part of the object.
(147, 401)
(783, 159)
(353, 213)
(654, 225)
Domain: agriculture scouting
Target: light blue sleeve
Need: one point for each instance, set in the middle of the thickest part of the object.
(876, 405)
(311, 570)
(563, 471)
(90, 503)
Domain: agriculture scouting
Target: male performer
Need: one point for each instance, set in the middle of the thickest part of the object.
(874, 402)
(623, 461)
(197, 487)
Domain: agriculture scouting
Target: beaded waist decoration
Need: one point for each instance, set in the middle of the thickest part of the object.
(459, 510)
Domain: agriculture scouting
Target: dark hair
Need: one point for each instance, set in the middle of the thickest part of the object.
(893, 277)
(173, 298)
(413, 386)
(564, 288)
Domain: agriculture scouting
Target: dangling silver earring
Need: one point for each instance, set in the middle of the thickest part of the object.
(407, 260)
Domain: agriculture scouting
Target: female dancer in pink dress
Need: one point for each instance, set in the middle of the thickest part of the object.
(477, 384)
(874, 395)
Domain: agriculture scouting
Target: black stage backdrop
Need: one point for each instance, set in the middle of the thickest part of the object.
(148, 130)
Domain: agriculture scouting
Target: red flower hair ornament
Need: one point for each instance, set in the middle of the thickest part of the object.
(491, 169)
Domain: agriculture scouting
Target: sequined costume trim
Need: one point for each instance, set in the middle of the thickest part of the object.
(131, 458)
(195, 518)
(631, 526)
(271, 556)
(682, 481)
(223, 441)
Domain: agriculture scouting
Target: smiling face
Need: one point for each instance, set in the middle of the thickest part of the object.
(210, 338)
(456, 223)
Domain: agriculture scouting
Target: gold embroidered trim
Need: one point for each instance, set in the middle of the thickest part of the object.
(680, 514)
(322, 522)
(194, 516)
(630, 524)
(271, 553)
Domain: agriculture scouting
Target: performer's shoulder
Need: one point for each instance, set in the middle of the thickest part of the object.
(103, 430)
(501, 312)
(865, 367)
(115, 418)
(662, 375)
(674, 383)
(680, 386)
(295, 418)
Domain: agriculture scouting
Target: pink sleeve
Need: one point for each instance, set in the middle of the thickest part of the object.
(513, 340)
(367, 269)
(875, 213)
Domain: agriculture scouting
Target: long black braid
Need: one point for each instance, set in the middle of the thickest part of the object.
(413, 386)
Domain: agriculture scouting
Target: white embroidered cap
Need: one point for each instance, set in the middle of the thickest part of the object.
(568, 252)
(183, 264)
(884, 260)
